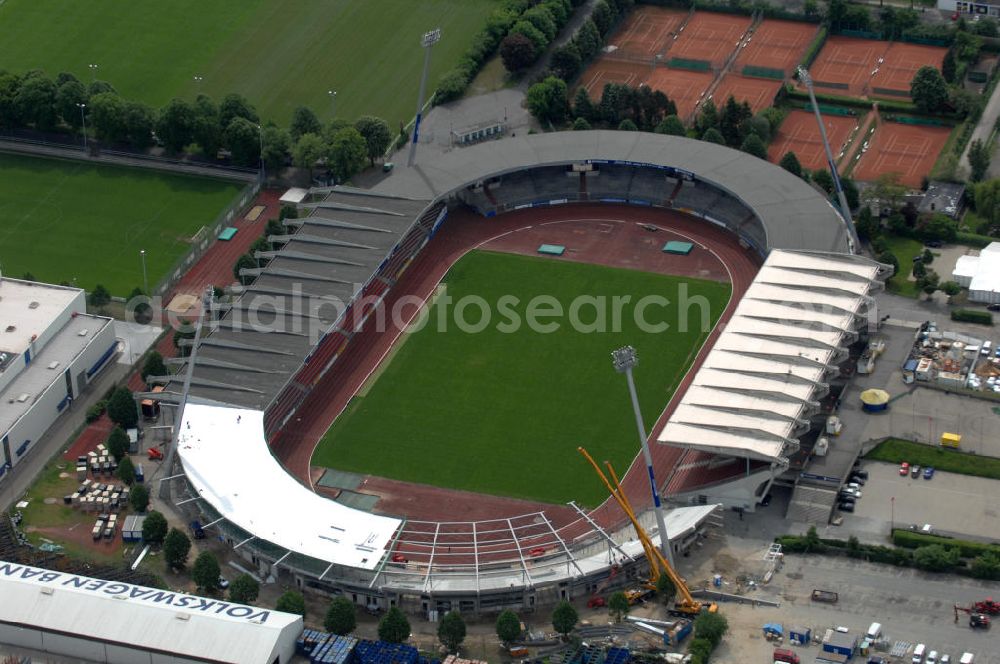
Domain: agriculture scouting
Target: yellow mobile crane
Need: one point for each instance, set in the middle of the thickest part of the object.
(685, 604)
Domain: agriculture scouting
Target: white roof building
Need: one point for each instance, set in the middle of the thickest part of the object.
(980, 274)
(764, 376)
(109, 621)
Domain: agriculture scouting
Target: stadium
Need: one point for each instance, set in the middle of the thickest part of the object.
(260, 387)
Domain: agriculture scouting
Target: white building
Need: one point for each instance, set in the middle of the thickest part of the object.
(50, 350)
(92, 620)
(981, 8)
(980, 274)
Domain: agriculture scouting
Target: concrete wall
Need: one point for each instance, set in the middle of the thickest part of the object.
(743, 493)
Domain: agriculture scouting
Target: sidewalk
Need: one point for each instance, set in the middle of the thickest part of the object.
(983, 129)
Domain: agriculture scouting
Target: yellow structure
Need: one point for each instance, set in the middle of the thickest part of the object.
(951, 440)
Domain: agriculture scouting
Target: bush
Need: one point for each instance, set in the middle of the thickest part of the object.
(244, 589)
(291, 601)
(118, 443)
(94, 412)
(176, 548)
(508, 627)
(972, 316)
(341, 617)
(122, 409)
(394, 627)
(711, 627)
(206, 572)
(935, 558)
(154, 528)
(139, 498)
(967, 549)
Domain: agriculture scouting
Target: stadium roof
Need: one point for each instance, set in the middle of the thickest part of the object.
(108, 613)
(793, 215)
(227, 460)
(754, 392)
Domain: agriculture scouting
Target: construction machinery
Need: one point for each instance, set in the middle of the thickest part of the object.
(685, 604)
(977, 620)
(987, 606)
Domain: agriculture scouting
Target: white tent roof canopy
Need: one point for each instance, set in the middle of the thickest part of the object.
(227, 460)
(765, 373)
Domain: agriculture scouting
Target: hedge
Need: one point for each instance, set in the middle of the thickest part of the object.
(911, 540)
(972, 316)
(815, 47)
(853, 102)
(896, 450)
(974, 239)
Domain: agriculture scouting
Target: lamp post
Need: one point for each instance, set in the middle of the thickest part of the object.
(197, 83)
(260, 136)
(93, 72)
(145, 282)
(624, 360)
(333, 102)
(83, 123)
(427, 41)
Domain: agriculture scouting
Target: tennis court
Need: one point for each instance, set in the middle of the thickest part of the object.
(799, 133)
(846, 64)
(685, 88)
(710, 37)
(909, 150)
(647, 31)
(900, 64)
(758, 92)
(777, 44)
(606, 70)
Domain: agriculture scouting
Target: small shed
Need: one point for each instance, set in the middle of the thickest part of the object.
(840, 643)
(800, 635)
(678, 248)
(132, 528)
(294, 196)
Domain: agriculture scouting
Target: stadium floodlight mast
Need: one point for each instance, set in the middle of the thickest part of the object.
(845, 210)
(93, 72)
(624, 360)
(83, 124)
(333, 102)
(145, 282)
(260, 135)
(197, 82)
(427, 41)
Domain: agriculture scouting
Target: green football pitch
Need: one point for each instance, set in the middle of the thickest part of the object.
(279, 54)
(85, 224)
(503, 413)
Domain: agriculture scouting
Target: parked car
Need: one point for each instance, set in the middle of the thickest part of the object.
(854, 479)
(876, 659)
(197, 530)
(851, 491)
(934, 244)
(928, 472)
(846, 507)
(932, 657)
(993, 307)
(904, 469)
(945, 659)
(914, 471)
(863, 474)
(223, 582)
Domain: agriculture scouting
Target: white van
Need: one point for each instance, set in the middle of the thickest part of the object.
(874, 631)
(986, 348)
(918, 654)
(966, 658)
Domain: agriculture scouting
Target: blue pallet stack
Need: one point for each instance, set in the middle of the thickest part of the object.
(618, 656)
(309, 640)
(380, 652)
(337, 650)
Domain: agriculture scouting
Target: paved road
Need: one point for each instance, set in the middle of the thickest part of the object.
(983, 129)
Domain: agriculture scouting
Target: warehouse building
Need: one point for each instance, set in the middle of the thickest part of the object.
(980, 274)
(44, 611)
(50, 351)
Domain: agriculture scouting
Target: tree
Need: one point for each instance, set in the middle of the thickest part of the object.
(175, 126)
(341, 618)
(811, 541)
(581, 124)
(205, 128)
(154, 528)
(121, 408)
(811, 9)
(291, 601)
(603, 17)
(153, 366)
(236, 106)
(99, 297)
(616, 102)
(347, 154)
(758, 124)
(867, 224)
(836, 12)
(451, 631)
(979, 160)
(753, 145)
(244, 262)
(730, 118)
(889, 258)
(948, 66)
(548, 100)
(508, 627)
(887, 191)
(986, 196)
(176, 548)
(701, 650)
(671, 125)
(986, 566)
(712, 135)
(627, 125)
(935, 558)
(118, 443)
(791, 163)
(939, 227)
(583, 107)
(69, 94)
(951, 288)
(711, 626)
(564, 618)
(100, 87)
(277, 142)
(517, 52)
(708, 118)
(823, 180)
(851, 192)
(140, 121)
(307, 151)
(126, 471)
(139, 498)
(929, 90)
(566, 61)
(244, 589)
(377, 135)
(35, 102)
(206, 572)
(242, 138)
(588, 40)
(618, 606)
(304, 121)
(394, 627)
(528, 29)
(666, 589)
(540, 17)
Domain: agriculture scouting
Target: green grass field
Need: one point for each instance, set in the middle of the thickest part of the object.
(904, 249)
(504, 413)
(279, 54)
(83, 223)
(896, 450)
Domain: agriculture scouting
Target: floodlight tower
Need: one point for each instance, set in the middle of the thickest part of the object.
(845, 210)
(624, 360)
(427, 41)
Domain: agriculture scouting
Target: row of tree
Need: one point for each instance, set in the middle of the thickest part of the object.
(531, 35)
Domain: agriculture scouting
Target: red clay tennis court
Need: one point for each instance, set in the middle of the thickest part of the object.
(846, 63)
(608, 70)
(685, 88)
(900, 65)
(777, 44)
(758, 92)
(647, 31)
(709, 36)
(909, 150)
(799, 133)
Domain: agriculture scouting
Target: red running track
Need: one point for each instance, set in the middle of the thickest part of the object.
(593, 233)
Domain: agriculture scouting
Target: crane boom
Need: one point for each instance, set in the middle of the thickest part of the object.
(658, 564)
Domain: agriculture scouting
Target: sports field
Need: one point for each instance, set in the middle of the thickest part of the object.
(72, 221)
(503, 413)
(278, 54)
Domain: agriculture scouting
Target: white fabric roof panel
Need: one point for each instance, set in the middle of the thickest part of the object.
(227, 459)
(145, 618)
(766, 371)
(966, 266)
